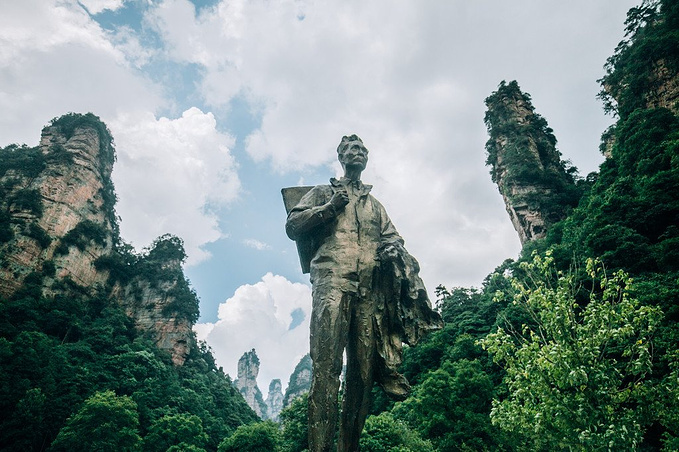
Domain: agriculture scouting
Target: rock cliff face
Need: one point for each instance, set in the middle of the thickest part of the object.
(159, 299)
(246, 383)
(537, 186)
(274, 400)
(300, 381)
(65, 183)
(58, 232)
(662, 92)
(665, 92)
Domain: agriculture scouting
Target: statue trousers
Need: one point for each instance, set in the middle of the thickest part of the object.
(341, 319)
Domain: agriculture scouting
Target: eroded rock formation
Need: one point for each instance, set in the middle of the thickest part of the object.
(246, 383)
(52, 204)
(300, 381)
(665, 91)
(274, 400)
(59, 234)
(159, 299)
(537, 186)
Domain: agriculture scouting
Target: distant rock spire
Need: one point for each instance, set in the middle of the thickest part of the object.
(537, 186)
(246, 383)
(300, 380)
(274, 400)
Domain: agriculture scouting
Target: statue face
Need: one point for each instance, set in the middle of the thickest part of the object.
(354, 155)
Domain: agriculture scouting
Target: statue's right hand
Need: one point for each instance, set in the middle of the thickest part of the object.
(339, 199)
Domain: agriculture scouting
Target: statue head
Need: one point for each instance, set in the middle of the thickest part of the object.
(351, 153)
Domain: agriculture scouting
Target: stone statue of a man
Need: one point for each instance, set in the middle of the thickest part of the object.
(367, 299)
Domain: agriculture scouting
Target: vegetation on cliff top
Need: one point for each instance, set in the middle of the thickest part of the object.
(68, 123)
(75, 373)
(646, 59)
(522, 154)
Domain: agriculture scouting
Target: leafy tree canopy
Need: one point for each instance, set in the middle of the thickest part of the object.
(576, 377)
(105, 422)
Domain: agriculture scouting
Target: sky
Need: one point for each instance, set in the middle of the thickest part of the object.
(215, 105)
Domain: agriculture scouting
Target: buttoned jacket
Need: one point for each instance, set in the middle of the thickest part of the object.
(344, 243)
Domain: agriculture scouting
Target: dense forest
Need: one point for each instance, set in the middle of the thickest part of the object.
(572, 346)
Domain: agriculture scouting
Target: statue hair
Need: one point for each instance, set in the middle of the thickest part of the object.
(346, 139)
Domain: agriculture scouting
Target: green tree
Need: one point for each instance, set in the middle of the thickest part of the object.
(105, 422)
(27, 430)
(181, 430)
(451, 407)
(384, 433)
(257, 437)
(576, 378)
(295, 423)
(183, 447)
(646, 58)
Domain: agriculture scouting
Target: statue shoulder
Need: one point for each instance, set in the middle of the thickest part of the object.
(321, 189)
(318, 194)
(299, 197)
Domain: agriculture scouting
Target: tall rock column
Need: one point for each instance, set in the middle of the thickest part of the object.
(246, 383)
(274, 400)
(59, 199)
(59, 234)
(300, 381)
(537, 186)
(159, 299)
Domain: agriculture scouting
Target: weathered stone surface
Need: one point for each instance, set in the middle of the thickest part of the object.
(529, 223)
(662, 88)
(148, 306)
(300, 381)
(274, 400)
(666, 88)
(534, 182)
(73, 181)
(71, 192)
(662, 92)
(246, 383)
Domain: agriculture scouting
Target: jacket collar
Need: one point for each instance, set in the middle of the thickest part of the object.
(343, 181)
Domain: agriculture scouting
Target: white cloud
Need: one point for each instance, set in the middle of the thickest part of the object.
(202, 330)
(168, 174)
(256, 244)
(259, 316)
(127, 42)
(410, 79)
(97, 6)
(55, 59)
(44, 25)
